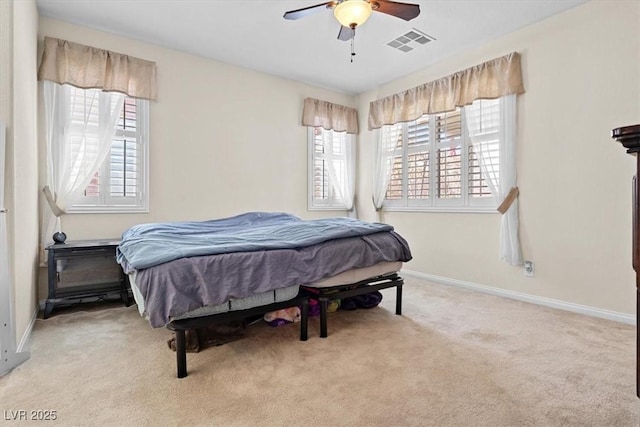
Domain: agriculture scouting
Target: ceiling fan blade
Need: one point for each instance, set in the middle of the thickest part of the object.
(406, 11)
(305, 11)
(346, 33)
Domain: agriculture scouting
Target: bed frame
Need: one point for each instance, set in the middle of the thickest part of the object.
(181, 326)
(324, 295)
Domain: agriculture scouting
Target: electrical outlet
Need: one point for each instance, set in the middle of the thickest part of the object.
(529, 269)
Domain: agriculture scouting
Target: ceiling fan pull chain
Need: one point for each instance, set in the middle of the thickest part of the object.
(353, 53)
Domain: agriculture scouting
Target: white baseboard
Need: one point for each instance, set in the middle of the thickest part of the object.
(547, 302)
(26, 337)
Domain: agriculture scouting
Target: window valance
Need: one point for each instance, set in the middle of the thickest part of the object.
(329, 116)
(88, 67)
(489, 80)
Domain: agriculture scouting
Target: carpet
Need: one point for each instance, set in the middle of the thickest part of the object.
(454, 358)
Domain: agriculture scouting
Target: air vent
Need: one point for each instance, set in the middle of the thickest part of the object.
(410, 41)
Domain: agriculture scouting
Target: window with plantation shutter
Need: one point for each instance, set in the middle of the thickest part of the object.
(447, 135)
(320, 175)
(435, 166)
(488, 137)
(326, 187)
(120, 185)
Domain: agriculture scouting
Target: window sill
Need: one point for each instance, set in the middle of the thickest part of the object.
(108, 210)
(442, 209)
(327, 208)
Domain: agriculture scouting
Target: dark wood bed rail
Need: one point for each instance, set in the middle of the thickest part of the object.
(629, 137)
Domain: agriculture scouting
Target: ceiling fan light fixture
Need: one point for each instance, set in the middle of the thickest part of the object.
(352, 13)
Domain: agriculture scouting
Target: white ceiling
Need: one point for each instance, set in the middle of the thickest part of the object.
(253, 33)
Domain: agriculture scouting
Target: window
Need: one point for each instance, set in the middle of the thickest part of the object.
(331, 169)
(435, 165)
(121, 183)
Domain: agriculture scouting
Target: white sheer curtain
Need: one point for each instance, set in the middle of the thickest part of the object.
(339, 157)
(385, 143)
(80, 125)
(500, 177)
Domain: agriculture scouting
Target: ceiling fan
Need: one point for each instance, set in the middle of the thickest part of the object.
(353, 13)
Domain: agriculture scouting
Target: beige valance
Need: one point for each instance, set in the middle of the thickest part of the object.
(489, 80)
(329, 116)
(88, 67)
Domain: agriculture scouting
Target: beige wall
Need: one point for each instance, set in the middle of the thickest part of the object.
(18, 109)
(220, 147)
(223, 140)
(582, 77)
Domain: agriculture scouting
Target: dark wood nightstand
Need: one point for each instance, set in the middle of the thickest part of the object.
(84, 269)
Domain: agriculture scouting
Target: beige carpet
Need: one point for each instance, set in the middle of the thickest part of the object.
(455, 358)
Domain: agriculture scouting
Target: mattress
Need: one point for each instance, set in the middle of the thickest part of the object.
(278, 295)
(264, 298)
(357, 275)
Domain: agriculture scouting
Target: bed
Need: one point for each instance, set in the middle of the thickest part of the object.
(186, 273)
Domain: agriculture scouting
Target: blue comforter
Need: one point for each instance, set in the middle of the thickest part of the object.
(147, 245)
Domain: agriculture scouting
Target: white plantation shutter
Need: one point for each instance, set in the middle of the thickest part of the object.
(483, 119)
(409, 180)
(320, 175)
(478, 187)
(440, 163)
(447, 134)
(120, 183)
(334, 152)
(82, 120)
(395, 148)
(331, 168)
(123, 162)
(417, 164)
(395, 187)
